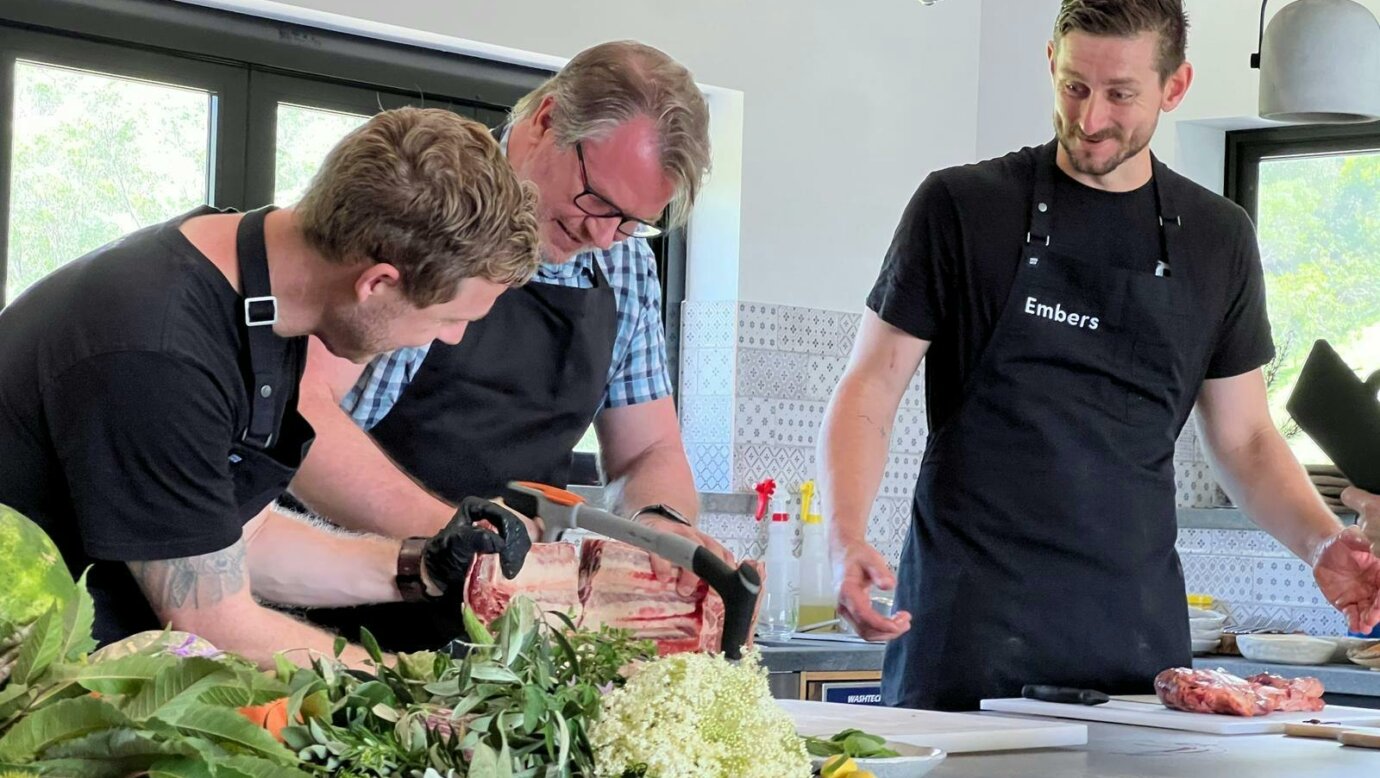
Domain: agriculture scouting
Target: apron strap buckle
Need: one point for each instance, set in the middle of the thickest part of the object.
(1029, 237)
(267, 441)
(268, 311)
(1176, 220)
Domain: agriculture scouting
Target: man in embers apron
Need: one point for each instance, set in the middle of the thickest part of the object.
(1072, 301)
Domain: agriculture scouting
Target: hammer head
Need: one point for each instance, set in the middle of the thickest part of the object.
(556, 507)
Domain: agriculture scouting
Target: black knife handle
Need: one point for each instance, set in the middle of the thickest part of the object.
(1063, 694)
(738, 589)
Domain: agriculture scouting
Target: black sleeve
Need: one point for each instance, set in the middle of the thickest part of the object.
(144, 440)
(911, 290)
(1244, 342)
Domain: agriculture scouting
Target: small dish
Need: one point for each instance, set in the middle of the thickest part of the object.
(1203, 617)
(1285, 649)
(913, 762)
(1205, 645)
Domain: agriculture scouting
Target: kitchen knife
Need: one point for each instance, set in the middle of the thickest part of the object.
(1063, 694)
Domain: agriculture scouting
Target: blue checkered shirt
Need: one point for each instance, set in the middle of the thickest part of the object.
(637, 373)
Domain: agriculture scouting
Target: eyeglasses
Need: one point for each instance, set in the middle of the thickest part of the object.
(594, 204)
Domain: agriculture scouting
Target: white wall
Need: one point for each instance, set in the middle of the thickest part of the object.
(1014, 104)
(846, 107)
(1222, 36)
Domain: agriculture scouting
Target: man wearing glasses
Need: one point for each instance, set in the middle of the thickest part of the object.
(616, 144)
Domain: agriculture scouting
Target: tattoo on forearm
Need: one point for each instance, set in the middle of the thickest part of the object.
(192, 582)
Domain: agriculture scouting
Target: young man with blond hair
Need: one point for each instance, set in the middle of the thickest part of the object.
(148, 390)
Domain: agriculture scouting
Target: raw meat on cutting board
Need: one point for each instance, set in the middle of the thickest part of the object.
(611, 583)
(617, 588)
(550, 577)
(1217, 691)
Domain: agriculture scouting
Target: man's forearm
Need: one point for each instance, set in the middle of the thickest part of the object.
(853, 446)
(207, 595)
(267, 632)
(1264, 479)
(293, 561)
(660, 475)
(348, 479)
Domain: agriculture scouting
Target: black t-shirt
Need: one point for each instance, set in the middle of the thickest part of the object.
(953, 260)
(123, 387)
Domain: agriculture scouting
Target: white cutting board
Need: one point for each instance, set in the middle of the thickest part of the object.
(956, 733)
(1146, 711)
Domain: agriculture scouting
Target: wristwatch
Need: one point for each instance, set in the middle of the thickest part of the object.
(409, 577)
(664, 511)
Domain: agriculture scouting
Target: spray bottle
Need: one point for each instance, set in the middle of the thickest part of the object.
(777, 616)
(817, 599)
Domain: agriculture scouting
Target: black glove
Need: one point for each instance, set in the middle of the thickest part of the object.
(450, 553)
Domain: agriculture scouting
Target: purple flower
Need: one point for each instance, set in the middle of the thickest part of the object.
(194, 646)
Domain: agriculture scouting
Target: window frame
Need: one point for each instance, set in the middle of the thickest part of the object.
(225, 184)
(232, 55)
(1246, 149)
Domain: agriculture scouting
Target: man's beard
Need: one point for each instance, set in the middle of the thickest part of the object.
(357, 334)
(1126, 149)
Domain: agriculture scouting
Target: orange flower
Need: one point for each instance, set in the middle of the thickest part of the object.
(272, 716)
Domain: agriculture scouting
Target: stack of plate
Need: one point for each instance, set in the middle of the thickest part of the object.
(1366, 655)
(1330, 482)
(1205, 629)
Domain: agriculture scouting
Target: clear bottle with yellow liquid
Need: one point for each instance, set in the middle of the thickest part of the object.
(816, 575)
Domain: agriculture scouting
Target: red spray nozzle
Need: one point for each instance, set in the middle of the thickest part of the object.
(764, 490)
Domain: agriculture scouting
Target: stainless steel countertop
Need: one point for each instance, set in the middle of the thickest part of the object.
(798, 655)
(744, 503)
(1116, 751)
(794, 656)
(1336, 678)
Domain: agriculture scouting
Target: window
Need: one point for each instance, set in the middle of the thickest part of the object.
(304, 136)
(126, 112)
(108, 128)
(96, 156)
(1314, 194)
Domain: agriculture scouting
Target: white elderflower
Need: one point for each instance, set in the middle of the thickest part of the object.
(697, 716)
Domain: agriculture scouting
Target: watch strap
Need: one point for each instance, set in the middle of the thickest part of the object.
(409, 576)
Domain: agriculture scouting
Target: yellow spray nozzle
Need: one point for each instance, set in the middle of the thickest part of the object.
(807, 495)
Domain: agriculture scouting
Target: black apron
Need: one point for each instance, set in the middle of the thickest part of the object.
(1042, 546)
(277, 437)
(269, 449)
(508, 403)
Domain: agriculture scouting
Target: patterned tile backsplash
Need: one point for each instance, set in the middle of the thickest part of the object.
(756, 379)
(1256, 580)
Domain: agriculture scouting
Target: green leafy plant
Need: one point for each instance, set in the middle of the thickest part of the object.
(518, 702)
(149, 712)
(850, 742)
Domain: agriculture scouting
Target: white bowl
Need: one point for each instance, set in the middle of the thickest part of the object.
(1214, 633)
(1285, 649)
(913, 762)
(1205, 645)
(1199, 616)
